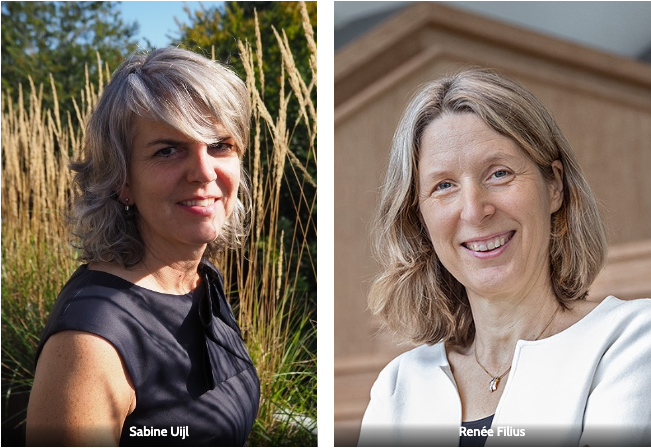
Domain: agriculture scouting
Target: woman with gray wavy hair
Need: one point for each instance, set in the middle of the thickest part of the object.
(489, 238)
(141, 347)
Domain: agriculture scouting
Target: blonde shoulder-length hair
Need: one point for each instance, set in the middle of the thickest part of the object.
(415, 295)
(180, 88)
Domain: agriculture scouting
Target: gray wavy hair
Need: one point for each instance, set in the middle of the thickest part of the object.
(415, 294)
(180, 88)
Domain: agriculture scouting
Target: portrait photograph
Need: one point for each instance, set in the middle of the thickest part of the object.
(159, 223)
(492, 238)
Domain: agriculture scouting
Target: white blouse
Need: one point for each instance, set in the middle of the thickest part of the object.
(587, 385)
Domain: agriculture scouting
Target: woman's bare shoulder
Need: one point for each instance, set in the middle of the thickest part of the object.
(82, 351)
(81, 394)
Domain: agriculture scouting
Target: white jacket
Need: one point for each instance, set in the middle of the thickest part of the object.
(587, 385)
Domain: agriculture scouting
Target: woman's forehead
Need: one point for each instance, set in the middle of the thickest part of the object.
(465, 142)
(451, 134)
(151, 127)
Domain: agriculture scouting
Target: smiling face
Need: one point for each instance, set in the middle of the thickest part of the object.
(486, 206)
(184, 190)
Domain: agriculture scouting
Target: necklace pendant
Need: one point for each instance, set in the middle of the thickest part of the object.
(494, 383)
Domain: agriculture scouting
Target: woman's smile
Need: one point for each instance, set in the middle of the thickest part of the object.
(200, 206)
(490, 247)
(198, 202)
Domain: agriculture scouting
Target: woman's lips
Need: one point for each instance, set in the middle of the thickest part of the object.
(490, 243)
(198, 202)
(200, 206)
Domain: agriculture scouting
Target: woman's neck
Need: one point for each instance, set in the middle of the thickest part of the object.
(501, 322)
(177, 276)
(171, 276)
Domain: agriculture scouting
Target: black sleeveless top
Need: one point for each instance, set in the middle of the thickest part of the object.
(195, 383)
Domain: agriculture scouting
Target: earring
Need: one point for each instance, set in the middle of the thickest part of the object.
(128, 211)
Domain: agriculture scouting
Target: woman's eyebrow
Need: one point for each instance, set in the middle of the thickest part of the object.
(436, 172)
(498, 157)
(167, 142)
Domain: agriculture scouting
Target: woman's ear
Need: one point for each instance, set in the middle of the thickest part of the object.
(125, 196)
(556, 187)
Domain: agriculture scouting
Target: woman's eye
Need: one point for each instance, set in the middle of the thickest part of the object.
(500, 173)
(220, 147)
(166, 152)
(443, 186)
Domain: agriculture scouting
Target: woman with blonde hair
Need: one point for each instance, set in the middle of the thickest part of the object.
(489, 238)
(141, 347)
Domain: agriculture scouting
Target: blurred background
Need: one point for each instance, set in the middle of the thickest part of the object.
(588, 62)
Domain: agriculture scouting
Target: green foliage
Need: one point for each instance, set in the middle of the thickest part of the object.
(39, 38)
(221, 29)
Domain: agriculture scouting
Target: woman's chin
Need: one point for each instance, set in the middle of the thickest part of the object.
(203, 237)
(491, 285)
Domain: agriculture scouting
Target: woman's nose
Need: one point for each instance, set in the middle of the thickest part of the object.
(476, 205)
(202, 166)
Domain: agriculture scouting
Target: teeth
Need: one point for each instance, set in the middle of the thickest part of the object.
(199, 203)
(494, 244)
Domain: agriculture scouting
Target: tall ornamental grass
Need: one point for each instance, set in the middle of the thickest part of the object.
(281, 337)
(276, 320)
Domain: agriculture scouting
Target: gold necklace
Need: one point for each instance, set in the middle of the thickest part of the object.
(495, 381)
